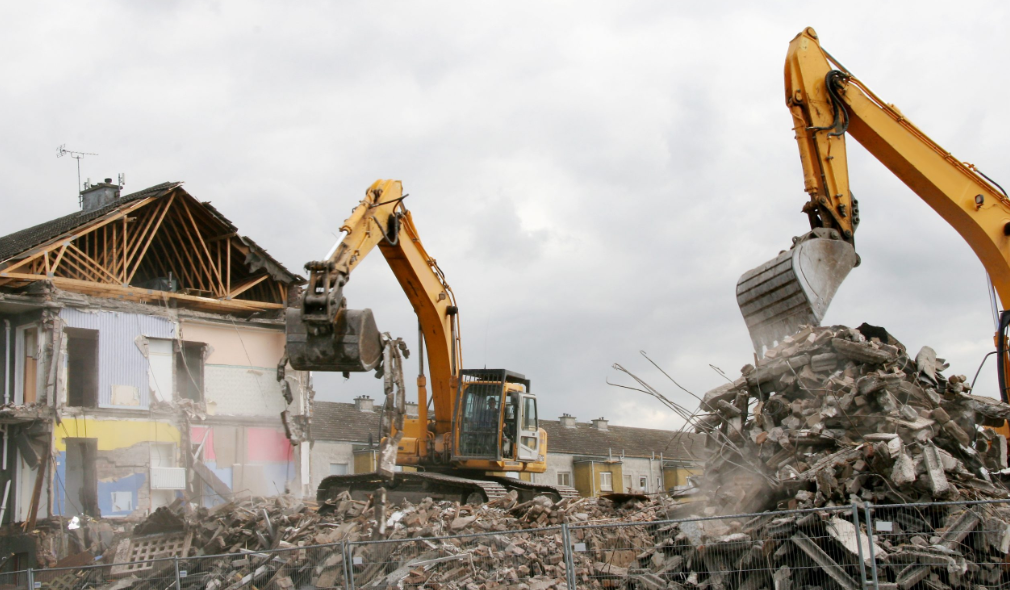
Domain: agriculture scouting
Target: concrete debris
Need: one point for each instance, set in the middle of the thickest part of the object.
(839, 417)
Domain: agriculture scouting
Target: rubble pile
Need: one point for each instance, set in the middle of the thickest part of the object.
(834, 414)
(237, 536)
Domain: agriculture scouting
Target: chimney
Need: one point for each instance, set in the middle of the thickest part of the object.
(411, 408)
(600, 424)
(99, 195)
(363, 404)
(567, 421)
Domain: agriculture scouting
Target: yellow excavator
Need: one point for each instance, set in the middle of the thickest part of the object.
(827, 103)
(485, 420)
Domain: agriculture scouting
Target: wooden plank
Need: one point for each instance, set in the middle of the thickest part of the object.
(222, 237)
(74, 250)
(211, 479)
(59, 257)
(183, 254)
(137, 294)
(199, 236)
(36, 252)
(150, 237)
(227, 266)
(248, 285)
(33, 507)
(122, 273)
(172, 257)
(149, 216)
(198, 283)
(83, 268)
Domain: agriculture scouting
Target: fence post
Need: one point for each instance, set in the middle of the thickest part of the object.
(859, 546)
(349, 563)
(869, 538)
(31, 579)
(347, 567)
(178, 578)
(566, 538)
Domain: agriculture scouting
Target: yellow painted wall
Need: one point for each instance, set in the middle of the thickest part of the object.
(586, 476)
(365, 461)
(677, 475)
(114, 434)
(582, 479)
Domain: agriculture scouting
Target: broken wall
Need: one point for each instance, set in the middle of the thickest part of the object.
(240, 370)
(251, 460)
(122, 466)
(123, 370)
(328, 458)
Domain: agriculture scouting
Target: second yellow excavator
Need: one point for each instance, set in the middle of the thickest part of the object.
(827, 103)
(485, 423)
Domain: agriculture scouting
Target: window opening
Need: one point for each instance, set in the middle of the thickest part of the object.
(189, 370)
(82, 481)
(643, 482)
(82, 367)
(31, 366)
(338, 468)
(564, 478)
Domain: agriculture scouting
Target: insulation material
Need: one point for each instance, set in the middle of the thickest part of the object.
(120, 361)
(125, 395)
(239, 346)
(161, 368)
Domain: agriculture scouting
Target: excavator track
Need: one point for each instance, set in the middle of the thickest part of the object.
(528, 490)
(412, 486)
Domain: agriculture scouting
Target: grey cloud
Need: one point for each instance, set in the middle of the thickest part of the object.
(615, 166)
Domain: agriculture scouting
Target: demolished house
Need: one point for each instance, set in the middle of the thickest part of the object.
(141, 337)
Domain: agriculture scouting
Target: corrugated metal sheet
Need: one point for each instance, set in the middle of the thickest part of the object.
(120, 362)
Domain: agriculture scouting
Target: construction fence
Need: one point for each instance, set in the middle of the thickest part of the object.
(931, 546)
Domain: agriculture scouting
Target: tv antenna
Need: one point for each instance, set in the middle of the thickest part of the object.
(63, 151)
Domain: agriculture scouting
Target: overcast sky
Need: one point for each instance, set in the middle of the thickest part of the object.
(592, 177)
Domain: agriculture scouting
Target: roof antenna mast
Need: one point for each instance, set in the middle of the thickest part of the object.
(63, 151)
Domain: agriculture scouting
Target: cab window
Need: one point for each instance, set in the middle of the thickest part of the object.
(530, 413)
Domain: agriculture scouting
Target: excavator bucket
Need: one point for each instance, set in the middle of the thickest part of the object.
(793, 289)
(351, 345)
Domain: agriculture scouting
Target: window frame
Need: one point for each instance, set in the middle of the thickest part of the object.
(606, 481)
(567, 475)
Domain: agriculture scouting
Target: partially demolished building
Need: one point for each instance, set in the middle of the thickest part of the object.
(141, 337)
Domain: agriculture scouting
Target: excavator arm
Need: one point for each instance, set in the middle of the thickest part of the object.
(485, 419)
(324, 335)
(827, 103)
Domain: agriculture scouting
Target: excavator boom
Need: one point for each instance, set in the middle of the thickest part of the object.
(484, 420)
(827, 103)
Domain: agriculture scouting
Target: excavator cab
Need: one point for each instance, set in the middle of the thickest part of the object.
(794, 288)
(491, 414)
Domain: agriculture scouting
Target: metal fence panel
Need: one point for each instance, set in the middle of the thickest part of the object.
(315, 566)
(15, 580)
(934, 546)
(943, 545)
(773, 550)
(534, 557)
